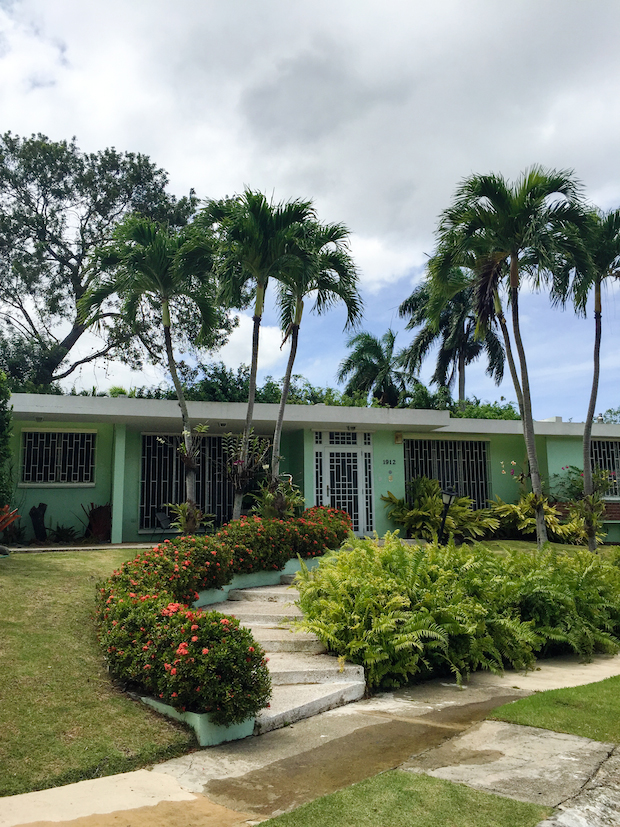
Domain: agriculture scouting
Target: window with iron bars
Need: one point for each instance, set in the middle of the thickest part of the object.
(605, 455)
(459, 464)
(58, 458)
(162, 478)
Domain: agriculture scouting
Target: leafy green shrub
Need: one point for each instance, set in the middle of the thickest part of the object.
(517, 521)
(277, 499)
(406, 612)
(193, 660)
(422, 512)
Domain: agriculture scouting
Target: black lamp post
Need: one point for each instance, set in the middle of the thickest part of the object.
(448, 495)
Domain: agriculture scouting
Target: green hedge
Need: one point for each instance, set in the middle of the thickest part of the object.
(405, 612)
(202, 661)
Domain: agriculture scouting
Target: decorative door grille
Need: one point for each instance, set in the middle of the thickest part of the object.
(462, 465)
(605, 455)
(163, 478)
(343, 476)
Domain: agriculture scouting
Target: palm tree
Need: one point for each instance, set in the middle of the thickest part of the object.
(461, 340)
(258, 240)
(373, 367)
(327, 273)
(602, 240)
(152, 268)
(514, 230)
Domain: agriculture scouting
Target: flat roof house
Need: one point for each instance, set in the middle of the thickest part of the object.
(71, 451)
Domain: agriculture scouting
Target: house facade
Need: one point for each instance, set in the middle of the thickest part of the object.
(73, 451)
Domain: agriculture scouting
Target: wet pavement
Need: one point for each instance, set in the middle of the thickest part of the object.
(436, 727)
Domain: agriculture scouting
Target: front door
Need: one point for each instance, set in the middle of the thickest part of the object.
(343, 475)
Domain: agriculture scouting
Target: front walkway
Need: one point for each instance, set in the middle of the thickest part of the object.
(247, 781)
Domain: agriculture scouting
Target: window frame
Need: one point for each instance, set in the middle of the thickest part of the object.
(41, 484)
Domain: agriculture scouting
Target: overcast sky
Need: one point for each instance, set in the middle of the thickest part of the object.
(375, 110)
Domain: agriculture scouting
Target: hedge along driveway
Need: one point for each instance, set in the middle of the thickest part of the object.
(62, 719)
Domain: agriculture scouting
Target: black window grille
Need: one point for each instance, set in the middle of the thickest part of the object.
(605, 455)
(462, 465)
(58, 458)
(163, 478)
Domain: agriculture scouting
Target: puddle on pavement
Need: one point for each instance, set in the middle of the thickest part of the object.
(449, 756)
(284, 785)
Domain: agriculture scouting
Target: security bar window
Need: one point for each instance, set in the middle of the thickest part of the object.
(58, 458)
(605, 455)
(459, 464)
(163, 478)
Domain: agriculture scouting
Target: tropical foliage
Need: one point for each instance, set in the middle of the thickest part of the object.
(374, 368)
(257, 240)
(409, 613)
(506, 232)
(421, 513)
(154, 271)
(326, 273)
(461, 340)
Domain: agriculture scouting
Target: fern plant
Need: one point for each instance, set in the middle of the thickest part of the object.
(406, 612)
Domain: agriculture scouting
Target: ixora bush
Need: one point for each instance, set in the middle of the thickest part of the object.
(194, 660)
(405, 612)
(261, 545)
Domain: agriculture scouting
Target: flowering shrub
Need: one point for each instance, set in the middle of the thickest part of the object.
(261, 545)
(179, 567)
(194, 660)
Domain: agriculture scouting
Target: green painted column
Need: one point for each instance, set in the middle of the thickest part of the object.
(118, 483)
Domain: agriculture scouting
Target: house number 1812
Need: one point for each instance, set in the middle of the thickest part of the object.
(389, 462)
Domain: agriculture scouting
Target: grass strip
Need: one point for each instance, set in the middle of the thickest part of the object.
(404, 799)
(591, 711)
(61, 717)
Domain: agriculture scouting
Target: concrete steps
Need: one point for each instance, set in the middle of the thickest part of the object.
(292, 703)
(305, 680)
(276, 639)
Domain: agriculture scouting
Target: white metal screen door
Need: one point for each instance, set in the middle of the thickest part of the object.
(343, 476)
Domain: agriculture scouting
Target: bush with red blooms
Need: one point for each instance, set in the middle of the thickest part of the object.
(194, 660)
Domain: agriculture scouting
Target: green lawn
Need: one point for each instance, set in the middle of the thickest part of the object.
(61, 718)
(404, 799)
(591, 711)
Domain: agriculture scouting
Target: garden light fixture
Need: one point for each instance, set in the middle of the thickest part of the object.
(448, 495)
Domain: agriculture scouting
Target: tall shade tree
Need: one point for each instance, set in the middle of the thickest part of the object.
(373, 368)
(520, 229)
(57, 205)
(153, 270)
(461, 339)
(325, 273)
(602, 239)
(258, 240)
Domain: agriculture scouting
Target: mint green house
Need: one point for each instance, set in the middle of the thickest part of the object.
(73, 451)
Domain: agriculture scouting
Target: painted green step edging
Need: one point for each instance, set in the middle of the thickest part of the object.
(250, 581)
(207, 733)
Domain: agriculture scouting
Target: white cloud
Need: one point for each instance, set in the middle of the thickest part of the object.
(376, 111)
(238, 350)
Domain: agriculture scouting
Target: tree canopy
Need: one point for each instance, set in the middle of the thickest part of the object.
(57, 205)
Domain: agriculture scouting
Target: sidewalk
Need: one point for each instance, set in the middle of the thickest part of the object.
(434, 727)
